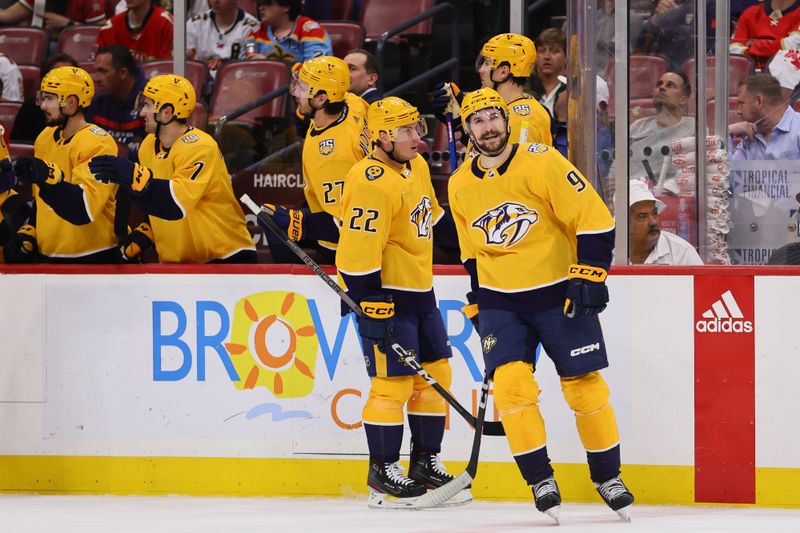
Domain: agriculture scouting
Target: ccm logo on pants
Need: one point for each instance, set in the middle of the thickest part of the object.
(585, 349)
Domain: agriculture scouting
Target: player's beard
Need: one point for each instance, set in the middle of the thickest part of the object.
(59, 121)
(494, 146)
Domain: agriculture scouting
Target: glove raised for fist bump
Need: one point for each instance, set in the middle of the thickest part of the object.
(587, 294)
(113, 169)
(447, 97)
(134, 245)
(34, 171)
(377, 322)
(8, 180)
(289, 220)
(471, 310)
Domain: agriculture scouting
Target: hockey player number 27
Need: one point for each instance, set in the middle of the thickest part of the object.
(358, 214)
(576, 181)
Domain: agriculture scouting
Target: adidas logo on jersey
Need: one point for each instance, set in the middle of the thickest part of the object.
(506, 224)
(725, 316)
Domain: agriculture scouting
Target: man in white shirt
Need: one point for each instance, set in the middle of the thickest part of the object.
(11, 89)
(217, 35)
(649, 245)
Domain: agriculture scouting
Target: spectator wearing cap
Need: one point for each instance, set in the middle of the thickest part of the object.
(649, 245)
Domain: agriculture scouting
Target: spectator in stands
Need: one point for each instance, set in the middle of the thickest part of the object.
(118, 80)
(57, 15)
(11, 88)
(218, 35)
(605, 32)
(649, 135)
(771, 128)
(30, 119)
(144, 28)
(364, 74)
(551, 67)
(763, 29)
(286, 35)
(649, 244)
(14, 209)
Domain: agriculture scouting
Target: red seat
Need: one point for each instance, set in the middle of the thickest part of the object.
(240, 82)
(196, 72)
(377, 16)
(643, 73)
(733, 113)
(24, 46)
(31, 79)
(16, 150)
(79, 41)
(8, 114)
(250, 7)
(199, 116)
(345, 36)
(739, 67)
(341, 9)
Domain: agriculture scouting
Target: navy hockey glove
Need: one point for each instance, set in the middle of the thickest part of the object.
(8, 180)
(587, 294)
(447, 97)
(289, 220)
(32, 170)
(22, 247)
(377, 323)
(113, 169)
(471, 311)
(136, 243)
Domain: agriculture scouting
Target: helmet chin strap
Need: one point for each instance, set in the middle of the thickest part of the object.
(159, 124)
(496, 84)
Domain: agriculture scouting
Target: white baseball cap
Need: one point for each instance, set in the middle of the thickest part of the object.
(640, 192)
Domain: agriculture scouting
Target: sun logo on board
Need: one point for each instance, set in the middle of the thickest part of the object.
(274, 343)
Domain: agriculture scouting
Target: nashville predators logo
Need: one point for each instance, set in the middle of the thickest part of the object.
(374, 172)
(506, 224)
(536, 148)
(488, 343)
(326, 147)
(522, 110)
(422, 216)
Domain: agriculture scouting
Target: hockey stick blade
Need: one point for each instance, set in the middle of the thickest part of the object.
(493, 428)
(435, 497)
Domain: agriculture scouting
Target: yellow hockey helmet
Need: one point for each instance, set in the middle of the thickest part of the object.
(516, 50)
(391, 113)
(324, 73)
(174, 90)
(69, 81)
(484, 98)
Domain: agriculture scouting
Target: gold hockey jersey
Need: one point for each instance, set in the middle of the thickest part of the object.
(525, 222)
(529, 121)
(56, 236)
(212, 225)
(388, 215)
(328, 155)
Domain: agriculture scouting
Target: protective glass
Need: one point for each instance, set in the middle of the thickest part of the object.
(139, 103)
(486, 116)
(42, 97)
(480, 61)
(297, 87)
(407, 132)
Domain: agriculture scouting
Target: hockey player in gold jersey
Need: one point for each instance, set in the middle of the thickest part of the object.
(74, 214)
(537, 242)
(181, 181)
(385, 257)
(14, 210)
(336, 139)
(505, 64)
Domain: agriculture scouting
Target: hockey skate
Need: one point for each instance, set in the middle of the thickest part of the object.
(390, 488)
(547, 497)
(617, 496)
(428, 470)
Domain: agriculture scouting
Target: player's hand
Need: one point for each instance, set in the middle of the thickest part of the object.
(134, 245)
(22, 247)
(289, 220)
(8, 180)
(32, 170)
(587, 294)
(113, 169)
(471, 310)
(447, 98)
(377, 322)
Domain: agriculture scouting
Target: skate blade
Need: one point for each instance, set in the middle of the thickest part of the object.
(378, 500)
(625, 513)
(553, 513)
(462, 498)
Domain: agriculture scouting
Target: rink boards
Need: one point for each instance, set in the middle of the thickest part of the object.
(247, 381)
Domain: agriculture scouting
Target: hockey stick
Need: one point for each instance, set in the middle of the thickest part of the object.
(451, 141)
(438, 496)
(263, 214)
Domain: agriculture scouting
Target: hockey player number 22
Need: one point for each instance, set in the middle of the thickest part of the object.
(358, 214)
(576, 181)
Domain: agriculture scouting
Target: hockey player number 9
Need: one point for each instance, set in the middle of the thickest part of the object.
(358, 214)
(576, 181)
